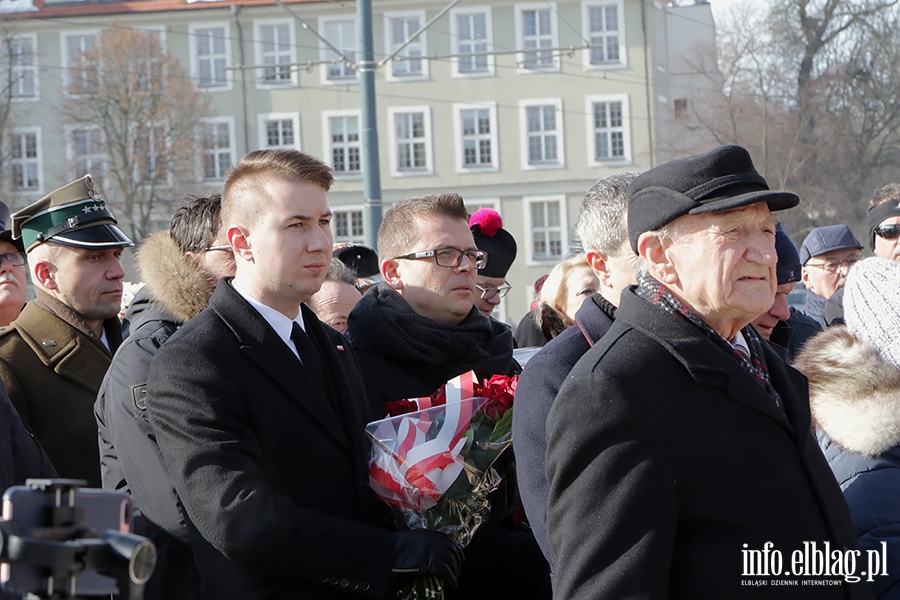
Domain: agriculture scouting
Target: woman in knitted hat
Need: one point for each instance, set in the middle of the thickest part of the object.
(854, 390)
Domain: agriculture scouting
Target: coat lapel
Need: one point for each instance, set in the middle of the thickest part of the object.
(262, 346)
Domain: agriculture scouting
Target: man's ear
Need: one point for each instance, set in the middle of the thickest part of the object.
(43, 274)
(389, 271)
(238, 238)
(653, 249)
(597, 259)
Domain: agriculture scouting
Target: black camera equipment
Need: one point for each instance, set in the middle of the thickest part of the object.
(61, 541)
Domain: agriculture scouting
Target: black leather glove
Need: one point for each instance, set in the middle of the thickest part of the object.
(425, 552)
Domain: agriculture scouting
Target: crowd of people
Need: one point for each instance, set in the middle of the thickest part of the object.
(680, 427)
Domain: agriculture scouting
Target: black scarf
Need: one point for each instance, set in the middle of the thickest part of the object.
(656, 293)
(383, 323)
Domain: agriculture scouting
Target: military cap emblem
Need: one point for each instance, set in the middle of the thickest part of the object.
(73, 215)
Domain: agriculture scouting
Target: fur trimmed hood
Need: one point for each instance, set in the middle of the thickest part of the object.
(172, 281)
(854, 394)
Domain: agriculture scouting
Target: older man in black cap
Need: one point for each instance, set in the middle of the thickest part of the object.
(826, 254)
(490, 283)
(13, 283)
(679, 450)
(54, 355)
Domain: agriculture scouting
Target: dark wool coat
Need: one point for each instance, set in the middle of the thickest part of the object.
(21, 456)
(271, 476)
(855, 398)
(53, 372)
(174, 291)
(666, 457)
(538, 385)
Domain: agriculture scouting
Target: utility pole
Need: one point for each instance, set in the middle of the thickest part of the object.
(370, 165)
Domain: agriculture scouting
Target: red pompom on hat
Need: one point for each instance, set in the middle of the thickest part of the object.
(487, 229)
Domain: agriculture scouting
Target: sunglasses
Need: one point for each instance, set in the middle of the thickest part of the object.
(888, 232)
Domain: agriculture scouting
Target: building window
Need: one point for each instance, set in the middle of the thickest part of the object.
(412, 140)
(476, 127)
(681, 109)
(217, 142)
(661, 45)
(471, 32)
(86, 153)
(152, 75)
(542, 130)
(602, 22)
(280, 130)
(275, 50)
(80, 77)
(547, 228)
(25, 159)
(341, 33)
(399, 29)
(343, 142)
(609, 129)
(150, 150)
(211, 56)
(348, 227)
(20, 60)
(536, 29)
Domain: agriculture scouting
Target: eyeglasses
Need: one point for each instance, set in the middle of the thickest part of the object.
(217, 249)
(888, 232)
(833, 266)
(449, 257)
(489, 293)
(15, 259)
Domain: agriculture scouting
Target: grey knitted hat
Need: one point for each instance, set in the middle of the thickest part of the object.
(872, 305)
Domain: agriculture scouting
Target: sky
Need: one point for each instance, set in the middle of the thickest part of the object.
(720, 7)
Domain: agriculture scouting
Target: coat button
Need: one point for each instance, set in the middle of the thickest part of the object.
(343, 583)
(364, 586)
(354, 585)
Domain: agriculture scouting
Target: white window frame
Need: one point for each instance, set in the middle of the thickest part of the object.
(586, 7)
(290, 53)
(160, 33)
(393, 113)
(348, 48)
(348, 210)
(492, 137)
(228, 122)
(521, 9)
(22, 71)
(67, 61)
(193, 34)
(73, 154)
(524, 105)
(265, 118)
(528, 201)
(417, 49)
(327, 145)
(166, 180)
(626, 130)
(37, 160)
(455, 14)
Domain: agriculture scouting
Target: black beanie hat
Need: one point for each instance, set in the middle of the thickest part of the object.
(487, 229)
(788, 269)
(721, 179)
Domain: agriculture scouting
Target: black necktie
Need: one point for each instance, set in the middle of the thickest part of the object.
(309, 356)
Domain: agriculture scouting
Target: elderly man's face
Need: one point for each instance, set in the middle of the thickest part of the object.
(724, 265)
(13, 284)
(780, 311)
(333, 303)
(825, 274)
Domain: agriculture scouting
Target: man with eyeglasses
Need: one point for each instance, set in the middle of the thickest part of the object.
(490, 284)
(180, 268)
(419, 328)
(827, 254)
(54, 356)
(13, 283)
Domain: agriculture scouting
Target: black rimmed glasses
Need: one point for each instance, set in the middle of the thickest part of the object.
(449, 257)
(14, 259)
(888, 232)
(218, 249)
(834, 266)
(489, 293)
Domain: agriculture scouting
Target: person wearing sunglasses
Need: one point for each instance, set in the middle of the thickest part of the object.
(13, 283)
(491, 285)
(827, 254)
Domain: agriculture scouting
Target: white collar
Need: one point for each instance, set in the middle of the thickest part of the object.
(282, 325)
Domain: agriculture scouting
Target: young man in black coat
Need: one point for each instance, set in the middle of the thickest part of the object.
(603, 231)
(679, 454)
(258, 411)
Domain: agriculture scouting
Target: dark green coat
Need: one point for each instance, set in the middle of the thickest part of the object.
(53, 372)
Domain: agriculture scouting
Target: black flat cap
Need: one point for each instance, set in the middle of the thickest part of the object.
(721, 179)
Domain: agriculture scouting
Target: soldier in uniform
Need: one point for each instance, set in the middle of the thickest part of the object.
(54, 355)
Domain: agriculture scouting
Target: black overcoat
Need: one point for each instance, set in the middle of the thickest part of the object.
(666, 457)
(271, 476)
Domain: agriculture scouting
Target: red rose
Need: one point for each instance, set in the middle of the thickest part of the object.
(500, 390)
(400, 407)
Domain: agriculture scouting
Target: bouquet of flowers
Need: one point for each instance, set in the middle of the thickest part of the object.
(434, 460)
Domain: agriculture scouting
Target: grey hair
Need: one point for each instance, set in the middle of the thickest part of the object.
(602, 222)
(339, 272)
